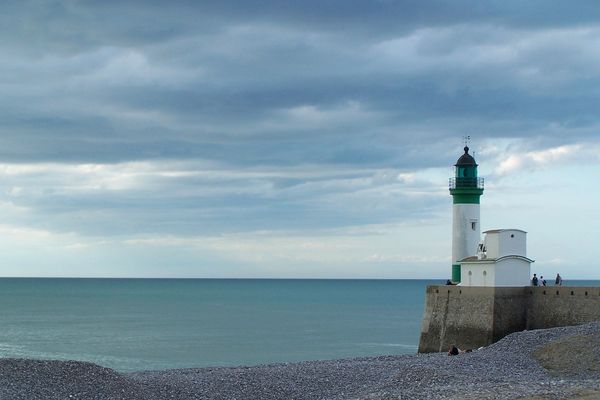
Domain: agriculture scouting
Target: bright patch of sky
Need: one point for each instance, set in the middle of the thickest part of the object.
(292, 139)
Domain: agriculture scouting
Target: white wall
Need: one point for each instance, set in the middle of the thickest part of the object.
(513, 242)
(513, 272)
(491, 240)
(477, 274)
(504, 272)
(505, 242)
(464, 238)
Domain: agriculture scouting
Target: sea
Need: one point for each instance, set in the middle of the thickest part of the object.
(154, 324)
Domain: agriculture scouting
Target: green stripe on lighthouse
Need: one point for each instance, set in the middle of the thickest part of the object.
(466, 196)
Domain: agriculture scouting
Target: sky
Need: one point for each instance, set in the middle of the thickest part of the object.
(293, 139)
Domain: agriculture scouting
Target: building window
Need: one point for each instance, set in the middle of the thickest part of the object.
(473, 225)
(484, 273)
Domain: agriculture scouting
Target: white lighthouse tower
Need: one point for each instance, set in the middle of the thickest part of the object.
(466, 189)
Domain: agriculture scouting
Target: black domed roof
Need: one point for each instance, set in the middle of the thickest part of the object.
(466, 159)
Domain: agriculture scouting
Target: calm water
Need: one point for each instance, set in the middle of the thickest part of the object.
(135, 324)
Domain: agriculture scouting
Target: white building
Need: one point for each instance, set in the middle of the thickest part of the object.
(501, 260)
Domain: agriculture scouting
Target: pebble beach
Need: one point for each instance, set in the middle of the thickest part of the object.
(556, 363)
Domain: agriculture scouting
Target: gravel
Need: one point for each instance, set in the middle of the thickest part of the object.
(505, 370)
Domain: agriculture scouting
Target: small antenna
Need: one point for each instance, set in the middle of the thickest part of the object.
(466, 140)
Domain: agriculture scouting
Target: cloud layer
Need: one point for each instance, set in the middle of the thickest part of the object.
(137, 122)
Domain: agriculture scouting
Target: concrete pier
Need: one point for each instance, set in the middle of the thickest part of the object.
(471, 317)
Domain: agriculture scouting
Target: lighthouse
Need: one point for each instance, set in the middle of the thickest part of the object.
(466, 188)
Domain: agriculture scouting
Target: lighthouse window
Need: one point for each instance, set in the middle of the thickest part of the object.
(473, 225)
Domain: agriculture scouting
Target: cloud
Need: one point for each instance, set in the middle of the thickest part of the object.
(520, 58)
(200, 198)
(530, 160)
(259, 87)
(129, 124)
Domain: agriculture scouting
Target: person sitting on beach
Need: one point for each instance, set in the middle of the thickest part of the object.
(454, 351)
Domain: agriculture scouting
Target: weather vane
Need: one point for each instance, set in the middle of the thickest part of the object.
(466, 139)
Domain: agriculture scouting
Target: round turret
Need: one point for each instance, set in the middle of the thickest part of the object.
(466, 159)
(465, 181)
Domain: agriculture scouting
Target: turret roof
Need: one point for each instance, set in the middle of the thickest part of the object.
(466, 159)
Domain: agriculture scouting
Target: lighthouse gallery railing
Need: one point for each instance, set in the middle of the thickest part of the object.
(460, 183)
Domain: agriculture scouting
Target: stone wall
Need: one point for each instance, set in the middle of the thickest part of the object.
(471, 317)
(559, 306)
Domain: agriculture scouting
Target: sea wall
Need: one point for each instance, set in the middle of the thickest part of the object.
(471, 317)
(552, 306)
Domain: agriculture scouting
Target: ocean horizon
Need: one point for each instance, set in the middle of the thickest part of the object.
(134, 324)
